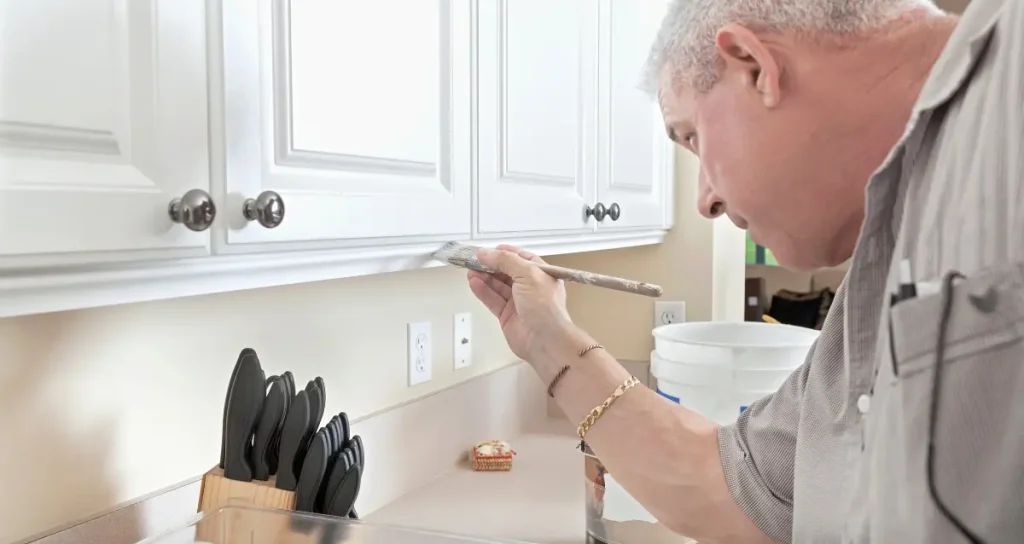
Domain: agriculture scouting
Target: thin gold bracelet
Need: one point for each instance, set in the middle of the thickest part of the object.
(596, 413)
(554, 381)
(588, 349)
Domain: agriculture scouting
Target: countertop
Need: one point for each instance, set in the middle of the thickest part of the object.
(541, 500)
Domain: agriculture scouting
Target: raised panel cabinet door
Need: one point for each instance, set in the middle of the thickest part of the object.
(635, 157)
(537, 90)
(355, 112)
(103, 122)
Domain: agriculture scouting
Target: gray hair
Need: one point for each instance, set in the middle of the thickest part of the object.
(686, 41)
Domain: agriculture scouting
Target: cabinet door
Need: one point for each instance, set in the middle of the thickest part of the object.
(537, 114)
(102, 123)
(635, 156)
(356, 112)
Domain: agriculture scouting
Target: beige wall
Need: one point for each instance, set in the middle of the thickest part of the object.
(701, 262)
(101, 406)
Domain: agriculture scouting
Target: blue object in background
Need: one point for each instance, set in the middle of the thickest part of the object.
(669, 397)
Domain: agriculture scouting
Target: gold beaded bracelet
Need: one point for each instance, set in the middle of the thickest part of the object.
(596, 413)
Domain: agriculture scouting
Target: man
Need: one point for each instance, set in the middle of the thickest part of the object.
(882, 130)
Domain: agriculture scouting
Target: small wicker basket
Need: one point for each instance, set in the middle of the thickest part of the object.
(492, 455)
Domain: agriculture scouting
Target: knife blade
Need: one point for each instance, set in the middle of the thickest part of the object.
(245, 399)
(293, 436)
(273, 411)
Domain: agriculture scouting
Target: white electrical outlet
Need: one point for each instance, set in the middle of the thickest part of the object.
(462, 349)
(667, 312)
(420, 353)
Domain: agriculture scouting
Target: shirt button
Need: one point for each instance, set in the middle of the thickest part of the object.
(863, 404)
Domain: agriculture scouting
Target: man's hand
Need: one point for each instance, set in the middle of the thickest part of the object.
(529, 304)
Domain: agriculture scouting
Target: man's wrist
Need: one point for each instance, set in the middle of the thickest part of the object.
(556, 345)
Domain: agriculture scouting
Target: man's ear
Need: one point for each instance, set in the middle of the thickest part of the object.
(749, 61)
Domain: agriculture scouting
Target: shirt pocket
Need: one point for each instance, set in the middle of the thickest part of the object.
(978, 417)
(986, 318)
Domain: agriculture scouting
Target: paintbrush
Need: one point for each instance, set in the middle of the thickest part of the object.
(464, 256)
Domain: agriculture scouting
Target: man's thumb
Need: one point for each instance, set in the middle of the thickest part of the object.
(506, 262)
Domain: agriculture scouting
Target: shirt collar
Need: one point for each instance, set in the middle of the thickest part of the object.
(952, 70)
(963, 50)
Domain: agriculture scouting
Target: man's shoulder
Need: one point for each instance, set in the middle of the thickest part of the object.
(829, 346)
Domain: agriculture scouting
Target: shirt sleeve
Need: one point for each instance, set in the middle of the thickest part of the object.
(758, 453)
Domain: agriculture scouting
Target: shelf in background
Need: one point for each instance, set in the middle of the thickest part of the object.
(757, 254)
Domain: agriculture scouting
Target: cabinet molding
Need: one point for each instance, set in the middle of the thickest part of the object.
(107, 285)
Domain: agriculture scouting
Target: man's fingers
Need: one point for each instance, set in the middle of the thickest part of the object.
(488, 296)
(521, 252)
(506, 262)
(500, 285)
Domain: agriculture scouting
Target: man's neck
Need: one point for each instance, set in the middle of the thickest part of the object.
(891, 72)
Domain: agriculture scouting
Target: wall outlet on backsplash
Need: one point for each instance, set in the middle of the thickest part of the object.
(667, 312)
(420, 353)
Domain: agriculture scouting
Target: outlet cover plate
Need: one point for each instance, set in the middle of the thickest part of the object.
(462, 347)
(421, 349)
(667, 312)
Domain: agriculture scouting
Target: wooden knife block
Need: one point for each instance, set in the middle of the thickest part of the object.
(218, 492)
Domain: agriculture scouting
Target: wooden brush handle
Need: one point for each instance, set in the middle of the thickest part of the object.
(600, 280)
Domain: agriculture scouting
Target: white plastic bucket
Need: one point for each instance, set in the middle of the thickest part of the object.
(719, 368)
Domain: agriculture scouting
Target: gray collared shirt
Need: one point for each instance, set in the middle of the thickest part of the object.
(838, 454)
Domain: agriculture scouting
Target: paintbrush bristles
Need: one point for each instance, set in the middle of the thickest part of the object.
(461, 255)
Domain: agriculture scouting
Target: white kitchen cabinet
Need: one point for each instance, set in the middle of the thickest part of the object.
(537, 126)
(635, 157)
(563, 125)
(356, 113)
(103, 121)
(380, 129)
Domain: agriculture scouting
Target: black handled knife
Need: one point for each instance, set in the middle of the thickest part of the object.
(272, 416)
(224, 422)
(293, 436)
(244, 405)
(313, 468)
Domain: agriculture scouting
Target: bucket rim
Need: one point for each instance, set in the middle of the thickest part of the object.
(661, 359)
(660, 333)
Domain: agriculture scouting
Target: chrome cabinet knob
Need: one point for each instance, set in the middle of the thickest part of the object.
(597, 212)
(267, 209)
(614, 212)
(195, 209)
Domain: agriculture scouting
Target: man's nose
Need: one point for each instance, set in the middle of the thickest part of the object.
(708, 203)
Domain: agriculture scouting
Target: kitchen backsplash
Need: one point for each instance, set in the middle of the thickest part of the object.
(106, 405)
(407, 447)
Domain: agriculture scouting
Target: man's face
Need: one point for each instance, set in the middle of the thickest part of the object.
(765, 160)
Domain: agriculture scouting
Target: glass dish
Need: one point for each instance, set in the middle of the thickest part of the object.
(245, 525)
(601, 530)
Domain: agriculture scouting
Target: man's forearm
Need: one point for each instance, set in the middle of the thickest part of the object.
(666, 456)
